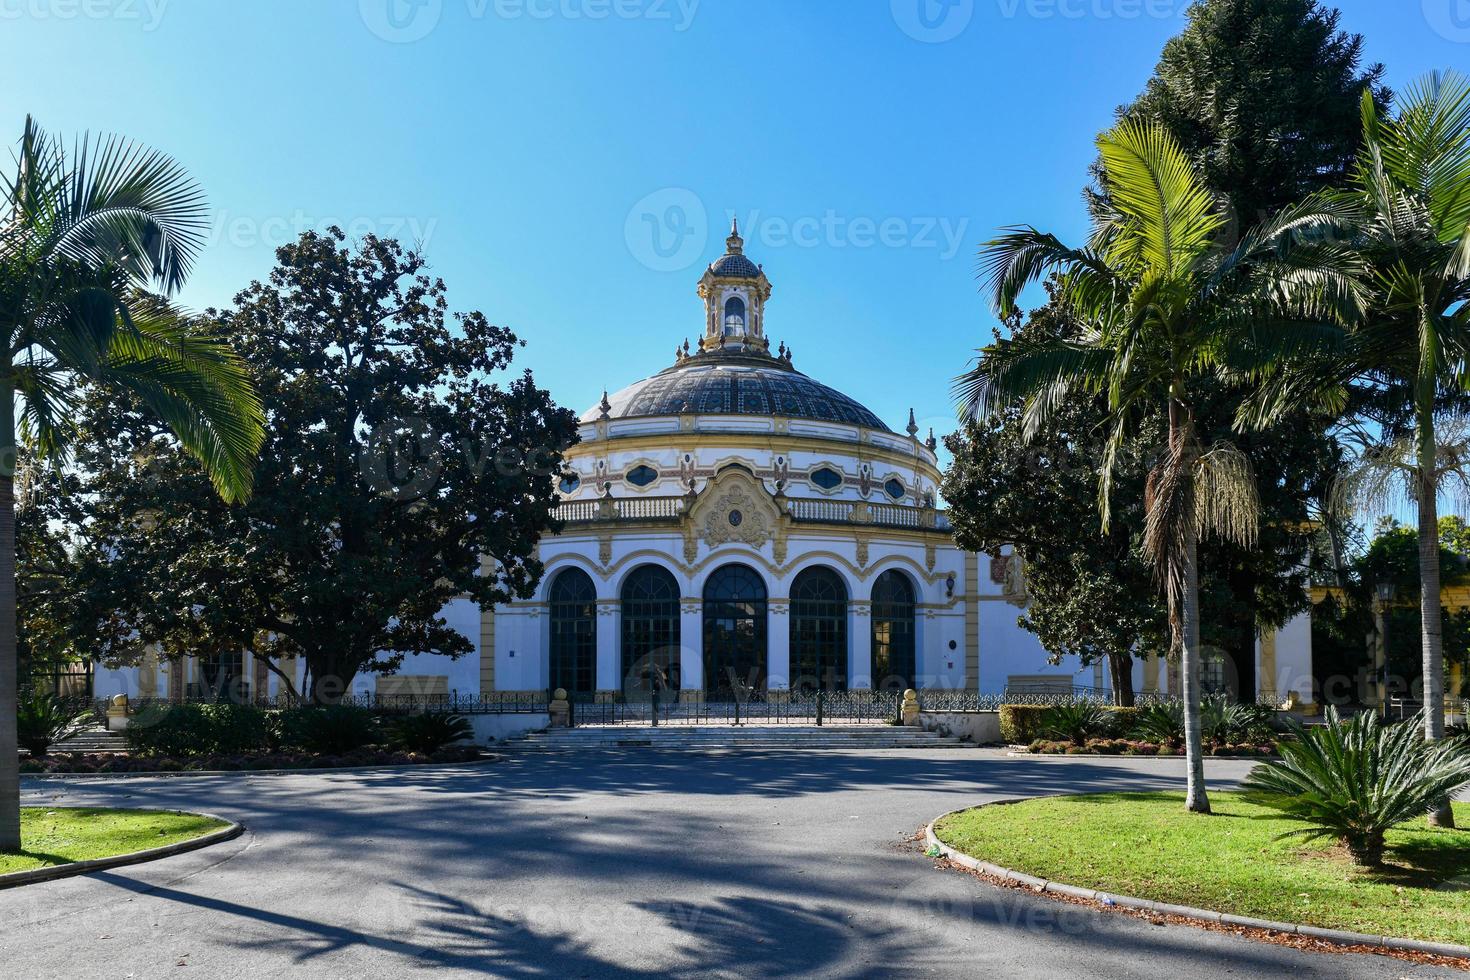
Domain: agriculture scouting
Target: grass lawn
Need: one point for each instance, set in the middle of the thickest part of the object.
(61, 835)
(1146, 846)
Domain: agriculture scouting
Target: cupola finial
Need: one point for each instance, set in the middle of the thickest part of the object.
(734, 245)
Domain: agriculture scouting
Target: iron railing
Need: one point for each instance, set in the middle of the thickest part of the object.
(761, 708)
(509, 702)
(801, 509)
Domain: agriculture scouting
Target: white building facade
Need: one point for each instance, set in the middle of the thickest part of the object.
(734, 529)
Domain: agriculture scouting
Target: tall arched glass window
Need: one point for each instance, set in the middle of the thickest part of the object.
(734, 634)
(893, 632)
(650, 655)
(818, 631)
(734, 316)
(573, 600)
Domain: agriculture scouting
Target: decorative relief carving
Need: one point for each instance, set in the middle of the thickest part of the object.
(733, 509)
(931, 555)
(862, 551)
(604, 549)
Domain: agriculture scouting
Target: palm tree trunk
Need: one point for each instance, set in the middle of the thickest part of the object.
(9, 749)
(1197, 799)
(1430, 615)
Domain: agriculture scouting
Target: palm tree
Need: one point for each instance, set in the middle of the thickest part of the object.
(1160, 304)
(82, 234)
(1405, 369)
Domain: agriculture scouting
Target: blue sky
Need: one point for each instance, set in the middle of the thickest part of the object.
(867, 146)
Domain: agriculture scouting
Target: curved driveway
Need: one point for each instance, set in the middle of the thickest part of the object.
(620, 864)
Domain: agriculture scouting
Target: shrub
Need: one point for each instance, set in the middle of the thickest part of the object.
(429, 731)
(1352, 781)
(1225, 723)
(332, 729)
(1020, 724)
(1162, 724)
(198, 729)
(1122, 721)
(1076, 722)
(44, 719)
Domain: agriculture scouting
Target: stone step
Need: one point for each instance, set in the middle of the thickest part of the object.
(728, 737)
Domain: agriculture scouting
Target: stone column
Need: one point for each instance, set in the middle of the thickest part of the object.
(778, 646)
(691, 650)
(860, 632)
(609, 646)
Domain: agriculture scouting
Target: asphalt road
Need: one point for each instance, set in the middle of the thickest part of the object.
(631, 864)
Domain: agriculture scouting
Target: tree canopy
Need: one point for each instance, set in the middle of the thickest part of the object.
(400, 471)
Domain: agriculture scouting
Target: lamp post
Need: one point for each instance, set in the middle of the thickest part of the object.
(1383, 595)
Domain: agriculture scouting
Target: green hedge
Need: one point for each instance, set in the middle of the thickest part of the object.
(199, 729)
(1022, 724)
(232, 729)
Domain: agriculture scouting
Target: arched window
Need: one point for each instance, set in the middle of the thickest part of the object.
(734, 634)
(573, 600)
(893, 632)
(734, 316)
(650, 604)
(818, 631)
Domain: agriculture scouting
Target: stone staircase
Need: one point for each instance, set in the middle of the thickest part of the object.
(93, 740)
(732, 738)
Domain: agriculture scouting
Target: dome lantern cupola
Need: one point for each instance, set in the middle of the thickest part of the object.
(734, 290)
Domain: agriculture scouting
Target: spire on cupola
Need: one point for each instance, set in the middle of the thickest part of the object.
(734, 290)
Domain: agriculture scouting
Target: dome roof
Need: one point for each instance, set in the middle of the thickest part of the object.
(735, 266)
(735, 383)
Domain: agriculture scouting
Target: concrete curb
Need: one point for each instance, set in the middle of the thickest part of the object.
(1182, 911)
(407, 767)
(1014, 754)
(17, 878)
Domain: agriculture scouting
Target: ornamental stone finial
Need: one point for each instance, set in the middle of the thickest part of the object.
(931, 443)
(913, 427)
(604, 407)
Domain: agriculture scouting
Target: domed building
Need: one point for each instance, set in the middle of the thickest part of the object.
(734, 530)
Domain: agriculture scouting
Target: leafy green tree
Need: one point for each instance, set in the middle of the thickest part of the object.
(80, 230)
(1263, 97)
(397, 464)
(1090, 591)
(1405, 368)
(1160, 304)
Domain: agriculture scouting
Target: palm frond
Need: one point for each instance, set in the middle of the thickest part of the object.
(1170, 216)
(1021, 368)
(1019, 257)
(199, 387)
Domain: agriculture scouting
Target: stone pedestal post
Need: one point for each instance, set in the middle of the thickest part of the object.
(560, 709)
(117, 713)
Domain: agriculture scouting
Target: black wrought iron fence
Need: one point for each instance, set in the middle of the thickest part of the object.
(509, 702)
(760, 708)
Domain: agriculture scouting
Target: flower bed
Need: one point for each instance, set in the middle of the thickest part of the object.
(1121, 746)
(245, 762)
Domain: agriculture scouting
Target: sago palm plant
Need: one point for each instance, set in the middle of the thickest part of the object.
(1354, 781)
(81, 233)
(1159, 305)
